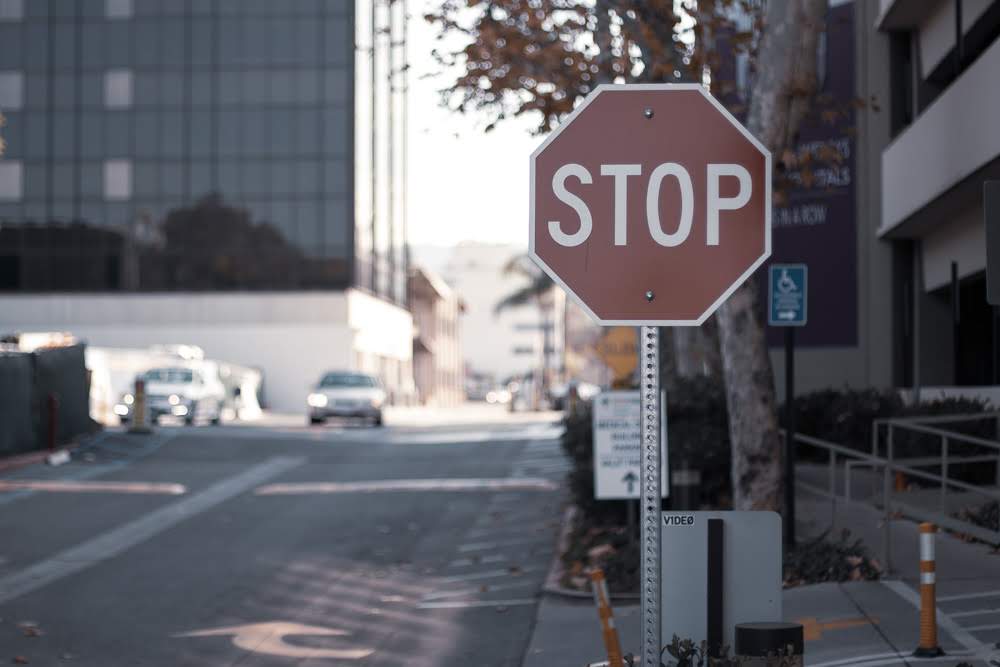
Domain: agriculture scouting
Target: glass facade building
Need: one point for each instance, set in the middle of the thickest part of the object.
(202, 145)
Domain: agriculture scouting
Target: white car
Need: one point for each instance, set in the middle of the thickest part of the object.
(186, 392)
(346, 394)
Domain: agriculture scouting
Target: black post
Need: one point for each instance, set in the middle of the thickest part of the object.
(632, 528)
(956, 321)
(789, 437)
(716, 572)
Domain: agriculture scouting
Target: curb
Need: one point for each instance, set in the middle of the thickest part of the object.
(24, 460)
(556, 570)
(31, 458)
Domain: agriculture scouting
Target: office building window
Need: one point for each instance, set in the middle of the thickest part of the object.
(118, 89)
(11, 180)
(118, 9)
(11, 91)
(11, 10)
(117, 180)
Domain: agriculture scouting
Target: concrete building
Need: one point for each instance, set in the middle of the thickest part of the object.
(906, 308)
(438, 366)
(944, 102)
(506, 343)
(222, 173)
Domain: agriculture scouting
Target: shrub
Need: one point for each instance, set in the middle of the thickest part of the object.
(698, 434)
(820, 559)
(608, 548)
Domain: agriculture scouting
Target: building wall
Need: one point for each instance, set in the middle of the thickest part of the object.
(438, 369)
(945, 145)
(120, 113)
(380, 77)
(868, 362)
(499, 344)
(290, 338)
(382, 343)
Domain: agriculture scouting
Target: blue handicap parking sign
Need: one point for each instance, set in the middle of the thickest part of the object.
(788, 295)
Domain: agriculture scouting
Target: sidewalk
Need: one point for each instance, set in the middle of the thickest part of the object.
(858, 623)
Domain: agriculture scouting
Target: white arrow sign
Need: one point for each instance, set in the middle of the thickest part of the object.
(269, 638)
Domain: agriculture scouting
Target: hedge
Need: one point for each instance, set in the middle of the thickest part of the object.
(698, 433)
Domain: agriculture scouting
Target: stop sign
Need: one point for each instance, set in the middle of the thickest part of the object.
(650, 204)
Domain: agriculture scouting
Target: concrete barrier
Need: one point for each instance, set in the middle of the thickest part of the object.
(17, 418)
(26, 382)
(61, 371)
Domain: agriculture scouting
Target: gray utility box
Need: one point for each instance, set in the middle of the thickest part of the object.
(718, 569)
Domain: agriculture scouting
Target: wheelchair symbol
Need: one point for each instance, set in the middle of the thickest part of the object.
(785, 283)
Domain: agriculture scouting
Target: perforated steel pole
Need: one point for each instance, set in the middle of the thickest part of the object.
(650, 511)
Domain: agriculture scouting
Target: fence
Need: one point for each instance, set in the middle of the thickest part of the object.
(936, 503)
(26, 382)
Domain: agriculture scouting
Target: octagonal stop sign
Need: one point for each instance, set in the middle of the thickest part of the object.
(650, 204)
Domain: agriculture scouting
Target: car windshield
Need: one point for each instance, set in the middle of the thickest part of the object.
(347, 380)
(170, 375)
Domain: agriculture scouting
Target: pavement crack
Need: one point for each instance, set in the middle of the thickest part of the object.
(872, 622)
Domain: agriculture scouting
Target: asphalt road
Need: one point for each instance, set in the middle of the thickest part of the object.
(253, 547)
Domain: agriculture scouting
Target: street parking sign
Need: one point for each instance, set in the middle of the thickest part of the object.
(788, 295)
(617, 445)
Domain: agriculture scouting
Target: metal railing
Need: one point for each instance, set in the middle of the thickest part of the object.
(884, 456)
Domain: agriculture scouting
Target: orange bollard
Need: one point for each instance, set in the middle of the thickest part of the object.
(928, 647)
(604, 612)
(139, 416)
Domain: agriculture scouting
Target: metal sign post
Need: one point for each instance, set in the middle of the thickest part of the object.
(650, 509)
(788, 307)
(626, 149)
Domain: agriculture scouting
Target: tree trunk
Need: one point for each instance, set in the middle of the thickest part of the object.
(710, 342)
(786, 82)
(686, 352)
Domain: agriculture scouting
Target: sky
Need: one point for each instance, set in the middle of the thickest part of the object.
(463, 184)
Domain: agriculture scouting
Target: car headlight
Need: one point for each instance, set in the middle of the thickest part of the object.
(121, 410)
(128, 399)
(377, 401)
(174, 399)
(317, 400)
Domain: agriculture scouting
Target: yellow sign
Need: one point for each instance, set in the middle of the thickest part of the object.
(617, 349)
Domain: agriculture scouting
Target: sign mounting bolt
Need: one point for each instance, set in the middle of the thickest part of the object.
(649, 295)
(647, 112)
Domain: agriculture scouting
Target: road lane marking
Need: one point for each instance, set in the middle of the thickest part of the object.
(980, 628)
(481, 546)
(490, 559)
(470, 604)
(488, 574)
(974, 612)
(969, 596)
(387, 485)
(884, 659)
(269, 639)
(83, 486)
(99, 469)
(857, 659)
(118, 540)
(958, 633)
(478, 590)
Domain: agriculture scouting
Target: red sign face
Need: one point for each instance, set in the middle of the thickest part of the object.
(650, 204)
